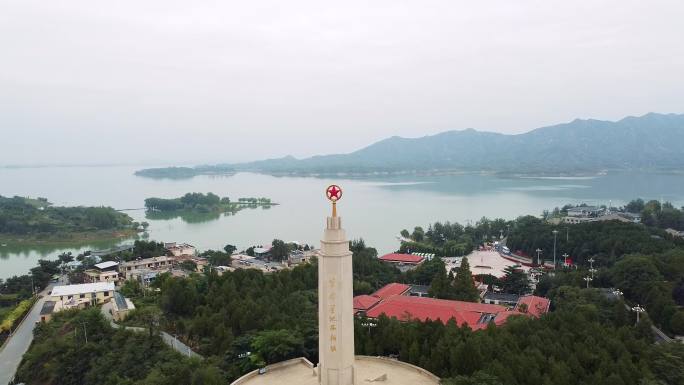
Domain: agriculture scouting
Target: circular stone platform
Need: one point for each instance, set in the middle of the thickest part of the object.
(380, 370)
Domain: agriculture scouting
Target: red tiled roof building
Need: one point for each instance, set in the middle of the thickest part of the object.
(393, 300)
(402, 258)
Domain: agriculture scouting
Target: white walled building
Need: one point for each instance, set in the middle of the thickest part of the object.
(82, 295)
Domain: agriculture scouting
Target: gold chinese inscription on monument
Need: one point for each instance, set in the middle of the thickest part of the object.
(332, 314)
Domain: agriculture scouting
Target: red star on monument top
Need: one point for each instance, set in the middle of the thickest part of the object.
(333, 192)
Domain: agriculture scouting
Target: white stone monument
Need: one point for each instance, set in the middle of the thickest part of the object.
(335, 302)
(337, 364)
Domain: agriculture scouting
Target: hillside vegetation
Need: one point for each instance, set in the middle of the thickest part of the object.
(203, 203)
(37, 217)
(652, 141)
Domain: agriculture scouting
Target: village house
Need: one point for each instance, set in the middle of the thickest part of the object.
(178, 249)
(200, 262)
(76, 297)
(298, 257)
(121, 306)
(136, 268)
(103, 272)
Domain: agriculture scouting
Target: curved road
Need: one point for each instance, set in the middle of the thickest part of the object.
(170, 340)
(20, 340)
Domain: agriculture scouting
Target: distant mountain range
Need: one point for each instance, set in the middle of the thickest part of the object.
(650, 142)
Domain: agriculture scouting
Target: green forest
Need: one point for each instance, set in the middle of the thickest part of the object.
(655, 213)
(37, 217)
(645, 262)
(246, 319)
(80, 347)
(203, 203)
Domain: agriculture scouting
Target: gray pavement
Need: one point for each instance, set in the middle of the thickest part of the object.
(19, 342)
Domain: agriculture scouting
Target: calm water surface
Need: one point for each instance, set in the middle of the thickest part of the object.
(375, 209)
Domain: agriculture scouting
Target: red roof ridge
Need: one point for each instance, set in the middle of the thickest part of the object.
(391, 289)
(398, 257)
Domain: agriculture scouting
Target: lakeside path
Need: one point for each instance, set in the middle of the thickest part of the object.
(19, 342)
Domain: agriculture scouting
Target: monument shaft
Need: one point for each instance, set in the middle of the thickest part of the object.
(335, 307)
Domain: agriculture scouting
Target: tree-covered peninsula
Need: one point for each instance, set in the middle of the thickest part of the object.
(204, 203)
(27, 219)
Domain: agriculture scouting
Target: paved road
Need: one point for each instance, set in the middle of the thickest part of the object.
(173, 342)
(19, 341)
(659, 335)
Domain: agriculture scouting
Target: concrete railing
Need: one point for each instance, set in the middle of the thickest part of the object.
(399, 363)
(280, 365)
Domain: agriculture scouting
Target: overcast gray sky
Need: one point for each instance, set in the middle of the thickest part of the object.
(204, 81)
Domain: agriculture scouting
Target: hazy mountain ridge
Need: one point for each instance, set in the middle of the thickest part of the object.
(653, 141)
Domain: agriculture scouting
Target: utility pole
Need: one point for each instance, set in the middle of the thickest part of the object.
(588, 279)
(565, 259)
(591, 269)
(539, 256)
(85, 331)
(638, 310)
(555, 233)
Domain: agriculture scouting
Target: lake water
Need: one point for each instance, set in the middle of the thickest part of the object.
(375, 209)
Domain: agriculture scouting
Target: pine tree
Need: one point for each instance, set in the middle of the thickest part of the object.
(464, 288)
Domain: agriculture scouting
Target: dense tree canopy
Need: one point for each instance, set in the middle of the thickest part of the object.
(587, 340)
(515, 281)
(202, 203)
(463, 284)
(245, 319)
(23, 216)
(605, 241)
(60, 355)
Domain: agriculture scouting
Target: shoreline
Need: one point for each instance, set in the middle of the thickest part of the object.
(10, 240)
(436, 172)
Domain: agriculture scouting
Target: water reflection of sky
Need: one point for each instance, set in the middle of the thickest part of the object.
(618, 187)
(375, 209)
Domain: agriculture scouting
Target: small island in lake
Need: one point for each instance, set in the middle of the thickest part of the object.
(204, 203)
(184, 172)
(37, 220)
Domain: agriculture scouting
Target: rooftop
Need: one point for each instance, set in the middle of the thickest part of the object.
(106, 265)
(82, 288)
(365, 302)
(508, 297)
(48, 307)
(423, 309)
(391, 289)
(394, 300)
(405, 258)
(162, 258)
(536, 306)
(420, 289)
(584, 208)
(122, 303)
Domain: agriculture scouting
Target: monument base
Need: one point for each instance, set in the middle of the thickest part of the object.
(368, 370)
